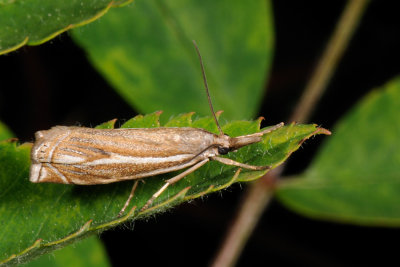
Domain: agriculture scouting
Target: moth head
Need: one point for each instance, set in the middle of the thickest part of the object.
(223, 144)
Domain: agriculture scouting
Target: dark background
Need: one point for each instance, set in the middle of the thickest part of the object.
(54, 84)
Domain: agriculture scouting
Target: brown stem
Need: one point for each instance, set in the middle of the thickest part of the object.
(327, 65)
(256, 199)
(259, 194)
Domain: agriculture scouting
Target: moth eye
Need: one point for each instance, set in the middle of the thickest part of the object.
(223, 150)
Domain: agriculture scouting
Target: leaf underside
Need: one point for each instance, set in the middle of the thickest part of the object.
(35, 22)
(356, 176)
(37, 218)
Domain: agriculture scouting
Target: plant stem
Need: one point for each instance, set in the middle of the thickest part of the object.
(256, 199)
(259, 194)
(327, 65)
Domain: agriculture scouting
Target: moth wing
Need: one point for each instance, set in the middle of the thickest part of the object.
(56, 155)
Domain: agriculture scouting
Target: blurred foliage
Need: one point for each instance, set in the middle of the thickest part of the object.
(5, 133)
(35, 22)
(145, 52)
(355, 178)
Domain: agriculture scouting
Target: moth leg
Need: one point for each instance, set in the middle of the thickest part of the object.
(242, 165)
(172, 181)
(129, 198)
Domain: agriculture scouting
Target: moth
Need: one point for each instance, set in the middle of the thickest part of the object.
(87, 156)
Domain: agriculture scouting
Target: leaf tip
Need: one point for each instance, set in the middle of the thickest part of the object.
(112, 122)
(259, 120)
(10, 140)
(218, 113)
(321, 130)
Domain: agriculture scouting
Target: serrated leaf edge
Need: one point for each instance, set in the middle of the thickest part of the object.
(86, 229)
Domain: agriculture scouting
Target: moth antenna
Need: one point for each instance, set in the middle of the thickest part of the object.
(206, 86)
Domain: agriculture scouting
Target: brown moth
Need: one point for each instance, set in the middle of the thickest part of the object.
(86, 156)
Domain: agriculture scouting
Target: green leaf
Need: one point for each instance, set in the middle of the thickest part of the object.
(145, 51)
(59, 214)
(86, 253)
(5, 133)
(35, 22)
(356, 176)
(107, 125)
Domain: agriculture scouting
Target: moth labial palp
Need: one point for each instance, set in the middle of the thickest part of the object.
(86, 156)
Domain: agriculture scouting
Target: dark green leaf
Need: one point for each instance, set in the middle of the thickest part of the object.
(356, 176)
(37, 218)
(35, 22)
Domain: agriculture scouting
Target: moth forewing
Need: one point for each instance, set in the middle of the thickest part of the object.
(86, 156)
(77, 155)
